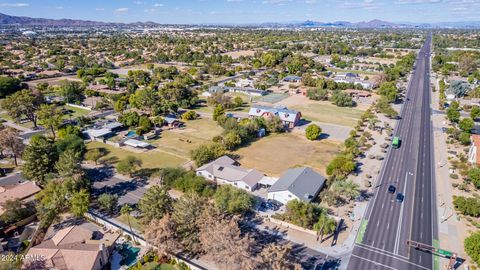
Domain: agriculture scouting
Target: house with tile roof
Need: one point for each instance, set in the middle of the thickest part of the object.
(290, 118)
(297, 183)
(75, 248)
(23, 191)
(225, 170)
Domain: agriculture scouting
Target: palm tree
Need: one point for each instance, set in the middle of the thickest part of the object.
(346, 188)
(126, 209)
(325, 225)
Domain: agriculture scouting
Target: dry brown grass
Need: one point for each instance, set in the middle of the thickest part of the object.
(274, 154)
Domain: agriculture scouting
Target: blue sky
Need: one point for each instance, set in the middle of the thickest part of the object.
(247, 11)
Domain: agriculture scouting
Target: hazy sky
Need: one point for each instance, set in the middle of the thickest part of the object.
(246, 11)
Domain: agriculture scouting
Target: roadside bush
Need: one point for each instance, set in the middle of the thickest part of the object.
(302, 213)
(472, 247)
(467, 205)
(474, 176)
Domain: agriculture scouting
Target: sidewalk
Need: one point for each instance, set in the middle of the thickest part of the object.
(448, 229)
(310, 240)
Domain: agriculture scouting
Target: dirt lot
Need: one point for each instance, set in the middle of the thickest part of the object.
(274, 154)
(238, 54)
(323, 111)
(53, 81)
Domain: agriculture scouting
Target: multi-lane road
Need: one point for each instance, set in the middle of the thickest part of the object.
(389, 223)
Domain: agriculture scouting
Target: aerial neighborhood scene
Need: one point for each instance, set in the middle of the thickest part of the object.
(240, 134)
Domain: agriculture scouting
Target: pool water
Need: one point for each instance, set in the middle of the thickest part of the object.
(129, 254)
(131, 133)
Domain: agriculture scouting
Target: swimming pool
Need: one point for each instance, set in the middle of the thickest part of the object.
(131, 133)
(129, 254)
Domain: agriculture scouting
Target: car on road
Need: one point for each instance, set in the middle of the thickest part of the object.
(400, 197)
(391, 189)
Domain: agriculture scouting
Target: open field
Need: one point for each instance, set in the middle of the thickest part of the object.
(150, 159)
(180, 142)
(274, 154)
(238, 54)
(55, 81)
(323, 111)
(328, 113)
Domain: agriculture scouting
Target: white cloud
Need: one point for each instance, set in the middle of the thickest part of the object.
(120, 10)
(99, 9)
(58, 7)
(14, 5)
(365, 4)
(234, 0)
(276, 2)
(138, 2)
(158, 5)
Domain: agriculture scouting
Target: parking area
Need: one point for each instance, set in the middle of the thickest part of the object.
(128, 190)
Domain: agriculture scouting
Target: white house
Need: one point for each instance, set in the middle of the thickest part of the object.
(297, 183)
(244, 83)
(225, 170)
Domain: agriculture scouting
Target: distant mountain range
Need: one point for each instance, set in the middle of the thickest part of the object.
(28, 21)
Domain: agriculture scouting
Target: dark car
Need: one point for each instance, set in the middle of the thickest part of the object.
(391, 189)
(400, 197)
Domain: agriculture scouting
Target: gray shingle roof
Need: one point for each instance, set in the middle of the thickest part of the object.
(304, 183)
(282, 112)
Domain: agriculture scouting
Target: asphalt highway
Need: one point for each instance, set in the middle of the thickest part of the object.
(389, 223)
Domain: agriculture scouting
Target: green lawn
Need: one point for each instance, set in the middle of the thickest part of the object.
(136, 224)
(180, 142)
(5, 116)
(77, 112)
(324, 111)
(150, 159)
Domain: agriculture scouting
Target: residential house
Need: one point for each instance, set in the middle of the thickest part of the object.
(23, 191)
(244, 83)
(225, 170)
(474, 151)
(292, 79)
(79, 247)
(102, 130)
(290, 118)
(173, 122)
(243, 90)
(298, 183)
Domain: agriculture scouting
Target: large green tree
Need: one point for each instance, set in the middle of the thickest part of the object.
(11, 143)
(128, 165)
(23, 104)
(233, 200)
(50, 116)
(72, 91)
(9, 85)
(39, 157)
(155, 203)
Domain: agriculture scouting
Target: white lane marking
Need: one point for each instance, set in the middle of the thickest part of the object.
(396, 258)
(370, 261)
(399, 226)
(379, 250)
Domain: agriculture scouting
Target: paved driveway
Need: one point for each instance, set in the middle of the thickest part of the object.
(128, 190)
